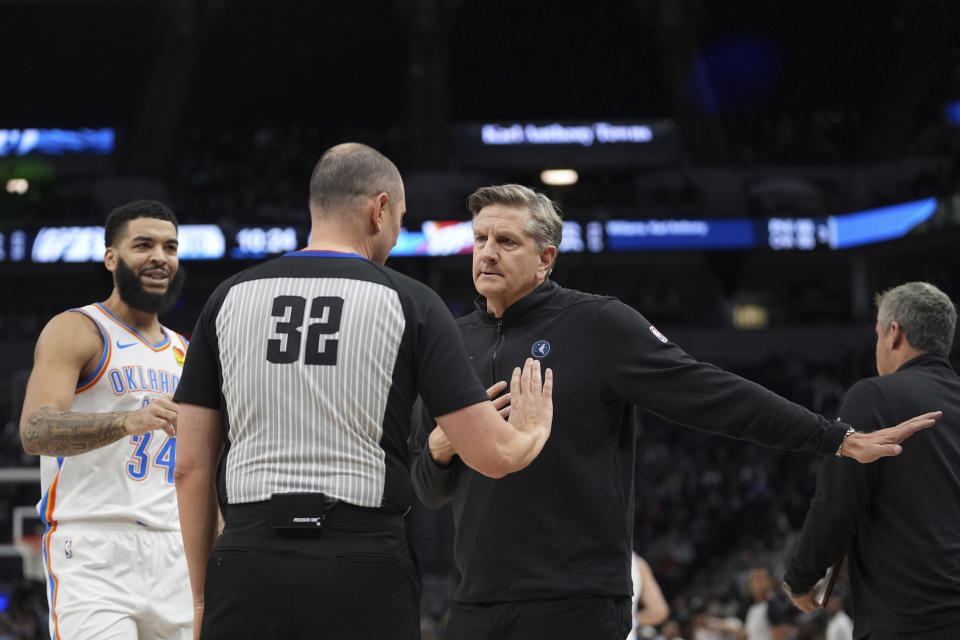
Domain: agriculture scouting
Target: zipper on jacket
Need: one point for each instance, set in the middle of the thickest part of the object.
(493, 352)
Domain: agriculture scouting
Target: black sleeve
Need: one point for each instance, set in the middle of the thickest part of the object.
(432, 483)
(659, 377)
(842, 498)
(200, 382)
(446, 380)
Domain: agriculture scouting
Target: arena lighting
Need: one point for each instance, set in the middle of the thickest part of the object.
(56, 142)
(585, 135)
(880, 224)
(680, 234)
(559, 177)
(259, 242)
(750, 316)
(952, 112)
(455, 237)
(18, 186)
(85, 244)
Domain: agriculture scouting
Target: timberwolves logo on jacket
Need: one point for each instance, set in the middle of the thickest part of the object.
(540, 349)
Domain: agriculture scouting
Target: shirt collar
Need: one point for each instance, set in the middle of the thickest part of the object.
(524, 307)
(926, 359)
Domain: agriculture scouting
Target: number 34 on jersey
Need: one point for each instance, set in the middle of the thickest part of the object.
(154, 453)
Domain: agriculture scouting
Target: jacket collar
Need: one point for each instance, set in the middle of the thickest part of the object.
(926, 359)
(525, 307)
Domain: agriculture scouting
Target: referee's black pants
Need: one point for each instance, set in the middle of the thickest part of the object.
(599, 618)
(354, 579)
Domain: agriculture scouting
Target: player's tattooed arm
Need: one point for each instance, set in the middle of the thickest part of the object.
(49, 431)
(52, 432)
(69, 349)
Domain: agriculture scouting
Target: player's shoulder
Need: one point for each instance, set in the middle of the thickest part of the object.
(176, 337)
(70, 321)
(74, 330)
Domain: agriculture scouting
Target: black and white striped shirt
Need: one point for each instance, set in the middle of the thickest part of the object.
(314, 361)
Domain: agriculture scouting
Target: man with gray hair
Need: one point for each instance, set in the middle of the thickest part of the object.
(545, 553)
(897, 520)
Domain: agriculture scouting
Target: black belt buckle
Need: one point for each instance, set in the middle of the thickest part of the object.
(300, 510)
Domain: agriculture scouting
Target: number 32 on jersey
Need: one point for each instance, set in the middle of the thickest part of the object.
(289, 313)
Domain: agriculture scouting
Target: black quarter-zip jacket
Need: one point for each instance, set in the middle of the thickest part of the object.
(562, 527)
(896, 519)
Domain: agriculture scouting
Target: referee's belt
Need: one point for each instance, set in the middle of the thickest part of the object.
(311, 511)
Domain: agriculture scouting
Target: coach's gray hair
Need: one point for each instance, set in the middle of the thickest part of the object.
(349, 171)
(926, 315)
(546, 224)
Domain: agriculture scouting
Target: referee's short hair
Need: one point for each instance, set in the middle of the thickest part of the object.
(348, 172)
(546, 223)
(926, 315)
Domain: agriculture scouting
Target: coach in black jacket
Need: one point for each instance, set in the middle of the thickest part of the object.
(545, 553)
(898, 520)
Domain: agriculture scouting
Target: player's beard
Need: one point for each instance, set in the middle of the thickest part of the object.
(132, 291)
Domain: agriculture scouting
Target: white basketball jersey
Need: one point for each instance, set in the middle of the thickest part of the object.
(637, 578)
(131, 480)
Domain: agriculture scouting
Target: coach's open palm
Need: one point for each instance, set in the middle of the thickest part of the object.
(867, 447)
(531, 399)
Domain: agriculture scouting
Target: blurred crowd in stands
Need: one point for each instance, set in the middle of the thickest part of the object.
(256, 178)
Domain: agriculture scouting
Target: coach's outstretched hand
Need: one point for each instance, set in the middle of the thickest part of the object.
(485, 443)
(867, 447)
(531, 399)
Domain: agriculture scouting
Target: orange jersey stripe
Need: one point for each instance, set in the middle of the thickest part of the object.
(51, 502)
(103, 368)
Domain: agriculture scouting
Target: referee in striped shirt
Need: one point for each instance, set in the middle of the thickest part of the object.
(296, 398)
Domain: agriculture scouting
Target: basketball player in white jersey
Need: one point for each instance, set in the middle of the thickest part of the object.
(98, 412)
(649, 606)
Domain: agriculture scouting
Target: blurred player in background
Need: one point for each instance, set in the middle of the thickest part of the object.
(98, 412)
(770, 617)
(649, 606)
